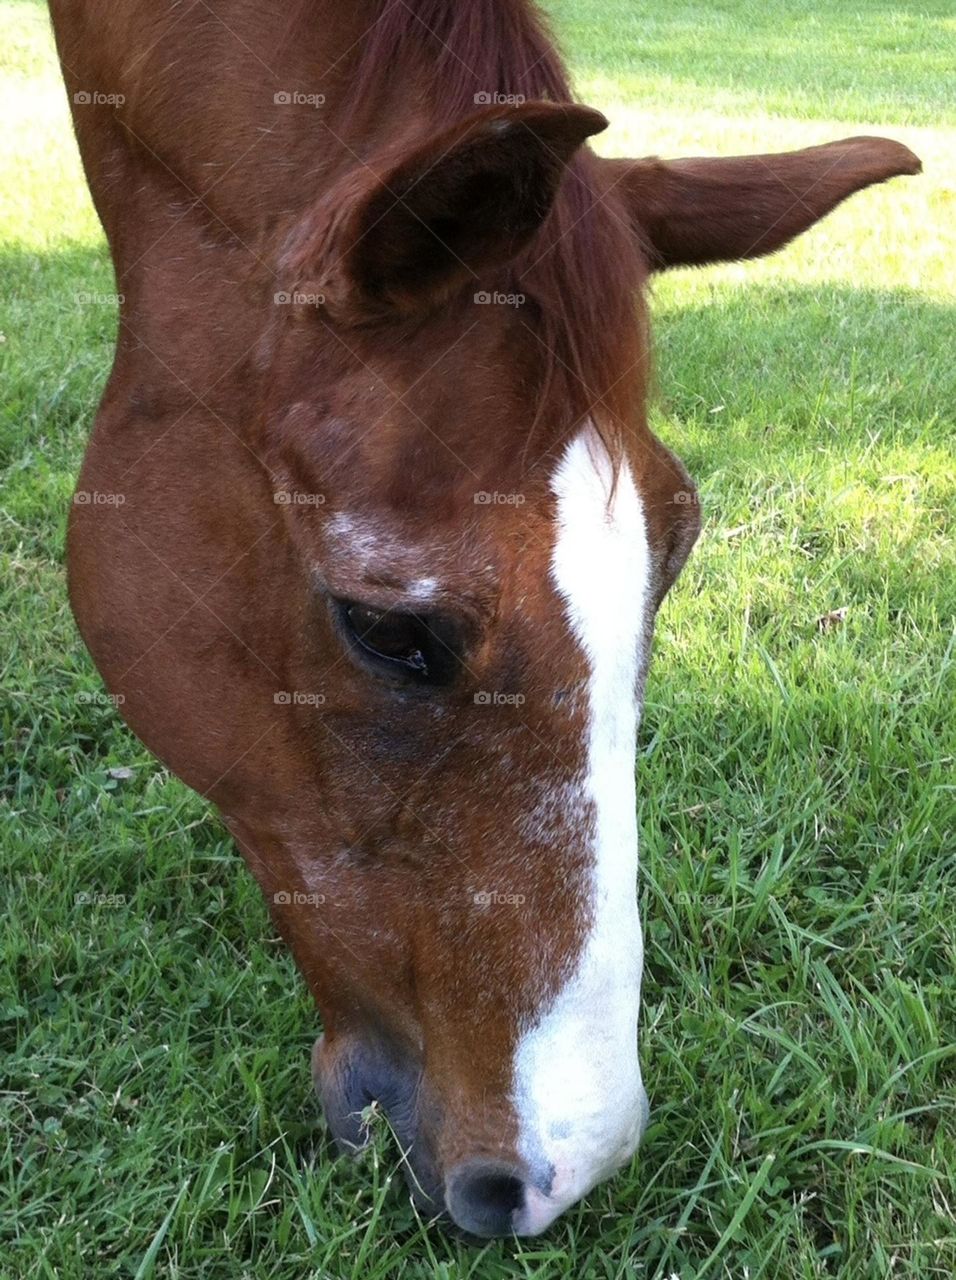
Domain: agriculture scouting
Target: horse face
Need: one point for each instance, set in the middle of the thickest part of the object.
(478, 676)
(478, 628)
(480, 606)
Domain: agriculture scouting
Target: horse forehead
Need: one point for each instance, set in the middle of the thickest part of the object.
(386, 547)
(472, 558)
(494, 541)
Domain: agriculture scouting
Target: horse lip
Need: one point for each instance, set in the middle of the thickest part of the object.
(349, 1082)
(350, 1077)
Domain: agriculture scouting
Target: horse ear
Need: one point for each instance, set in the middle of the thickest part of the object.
(691, 212)
(405, 237)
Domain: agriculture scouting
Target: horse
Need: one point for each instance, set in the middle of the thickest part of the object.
(371, 531)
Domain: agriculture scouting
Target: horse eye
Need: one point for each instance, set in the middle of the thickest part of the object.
(402, 644)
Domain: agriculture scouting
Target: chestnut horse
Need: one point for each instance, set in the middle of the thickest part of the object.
(371, 530)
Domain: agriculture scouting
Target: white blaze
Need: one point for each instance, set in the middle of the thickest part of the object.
(577, 1085)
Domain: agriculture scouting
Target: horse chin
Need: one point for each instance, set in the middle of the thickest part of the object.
(349, 1078)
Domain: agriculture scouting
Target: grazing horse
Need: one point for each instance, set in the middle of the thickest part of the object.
(371, 530)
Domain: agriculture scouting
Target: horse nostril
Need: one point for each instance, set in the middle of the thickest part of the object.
(483, 1197)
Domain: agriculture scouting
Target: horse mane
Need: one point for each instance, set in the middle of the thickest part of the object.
(581, 271)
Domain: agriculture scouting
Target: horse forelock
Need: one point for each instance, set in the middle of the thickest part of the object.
(582, 272)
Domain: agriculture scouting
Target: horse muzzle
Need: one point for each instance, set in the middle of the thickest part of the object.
(484, 1193)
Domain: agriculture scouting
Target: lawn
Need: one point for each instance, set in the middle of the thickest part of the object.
(798, 807)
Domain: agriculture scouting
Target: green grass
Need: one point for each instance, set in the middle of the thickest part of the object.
(799, 876)
(828, 59)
